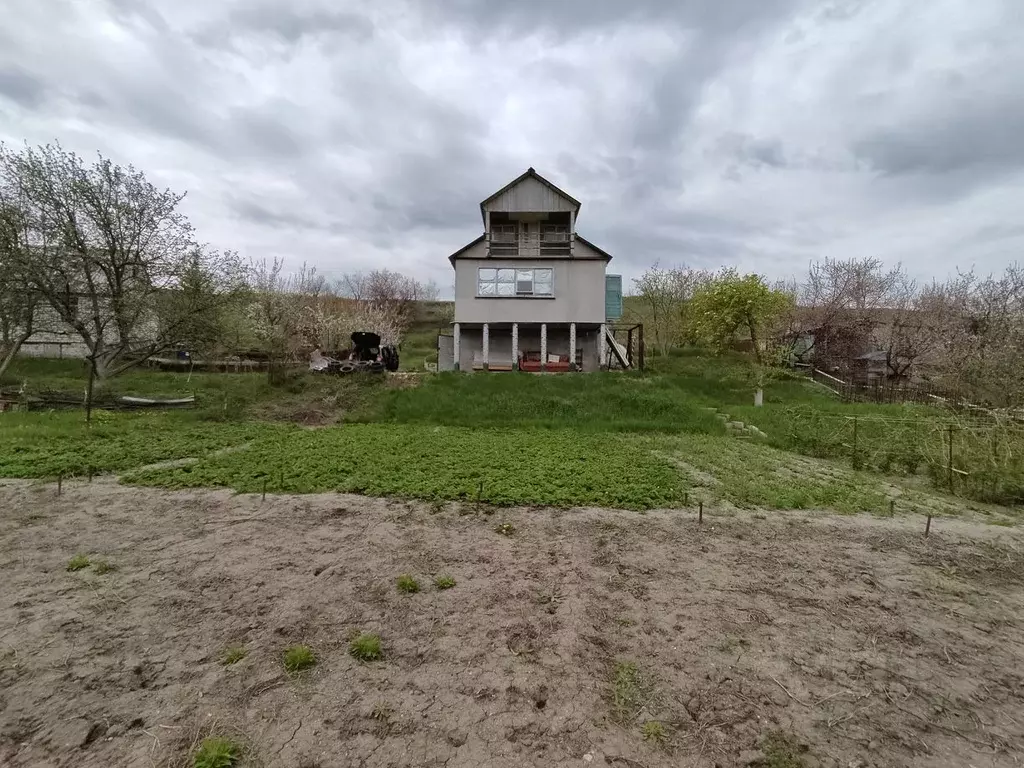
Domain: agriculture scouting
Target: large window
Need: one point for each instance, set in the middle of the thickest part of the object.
(514, 282)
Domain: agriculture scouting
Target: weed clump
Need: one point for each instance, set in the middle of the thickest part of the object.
(631, 692)
(298, 658)
(407, 583)
(101, 567)
(78, 562)
(215, 752)
(233, 654)
(444, 581)
(505, 529)
(366, 647)
(782, 750)
(654, 732)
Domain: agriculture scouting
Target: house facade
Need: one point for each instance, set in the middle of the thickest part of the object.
(530, 292)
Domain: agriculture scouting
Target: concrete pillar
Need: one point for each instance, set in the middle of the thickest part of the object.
(456, 343)
(487, 346)
(602, 343)
(572, 346)
(515, 346)
(543, 346)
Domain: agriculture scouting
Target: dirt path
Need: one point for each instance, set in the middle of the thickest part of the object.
(779, 641)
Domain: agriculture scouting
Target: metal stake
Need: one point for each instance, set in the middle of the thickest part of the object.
(949, 464)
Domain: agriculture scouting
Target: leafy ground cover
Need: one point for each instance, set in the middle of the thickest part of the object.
(495, 466)
(46, 445)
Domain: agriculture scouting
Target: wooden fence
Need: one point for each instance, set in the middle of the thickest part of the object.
(885, 392)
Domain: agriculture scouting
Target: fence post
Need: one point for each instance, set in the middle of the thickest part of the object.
(856, 460)
(949, 461)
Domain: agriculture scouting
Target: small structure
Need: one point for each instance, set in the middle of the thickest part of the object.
(532, 294)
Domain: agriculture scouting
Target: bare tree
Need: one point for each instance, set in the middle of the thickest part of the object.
(18, 302)
(111, 255)
(429, 291)
(663, 295)
(903, 332)
(976, 328)
(390, 292)
(840, 303)
(279, 311)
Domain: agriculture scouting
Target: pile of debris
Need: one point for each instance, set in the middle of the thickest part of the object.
(366, 354)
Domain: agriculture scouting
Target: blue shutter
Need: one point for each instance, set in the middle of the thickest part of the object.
(613, 297)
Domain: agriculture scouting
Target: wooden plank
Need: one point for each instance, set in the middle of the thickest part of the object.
(615, 349)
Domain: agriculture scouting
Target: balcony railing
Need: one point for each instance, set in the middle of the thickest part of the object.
(531, 244)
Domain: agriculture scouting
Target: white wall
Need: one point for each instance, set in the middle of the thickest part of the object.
(53, 337)
(578, 293)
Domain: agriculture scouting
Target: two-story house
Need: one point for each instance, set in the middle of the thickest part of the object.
(530, 291)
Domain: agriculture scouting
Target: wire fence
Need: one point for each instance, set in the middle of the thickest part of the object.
(977, 455)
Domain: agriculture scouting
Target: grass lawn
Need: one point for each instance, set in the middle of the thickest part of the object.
(597, 402)
(635, 440)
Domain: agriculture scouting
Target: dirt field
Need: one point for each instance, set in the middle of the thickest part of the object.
(580, 638)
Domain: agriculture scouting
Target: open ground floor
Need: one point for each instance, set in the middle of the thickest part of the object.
(535, 347)
(584, 637)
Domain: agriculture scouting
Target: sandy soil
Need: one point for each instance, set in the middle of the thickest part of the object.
(847, 641)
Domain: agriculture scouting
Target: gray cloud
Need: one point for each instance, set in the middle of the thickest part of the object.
(252, 212)
(286, 23)
(349, 135)
(567, 18)
(266, 131)
(291, 26)
(965, 133)
(22, 87)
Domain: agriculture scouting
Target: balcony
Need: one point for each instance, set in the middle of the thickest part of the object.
(548, 242)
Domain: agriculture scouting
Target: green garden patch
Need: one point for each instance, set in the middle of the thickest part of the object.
(494, 466)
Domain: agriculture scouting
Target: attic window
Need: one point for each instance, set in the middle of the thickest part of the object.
(514, 282)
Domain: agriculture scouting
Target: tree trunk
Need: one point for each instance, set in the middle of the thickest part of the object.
(753, 342)
(8, 352)
(89, 387)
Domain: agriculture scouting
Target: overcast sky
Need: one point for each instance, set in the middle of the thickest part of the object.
(755, 133)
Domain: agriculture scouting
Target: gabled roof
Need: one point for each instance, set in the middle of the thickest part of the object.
(582, 239)
(530, 173)
(463, 249)
(579, 238)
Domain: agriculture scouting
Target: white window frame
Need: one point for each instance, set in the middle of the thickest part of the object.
(509, 282)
